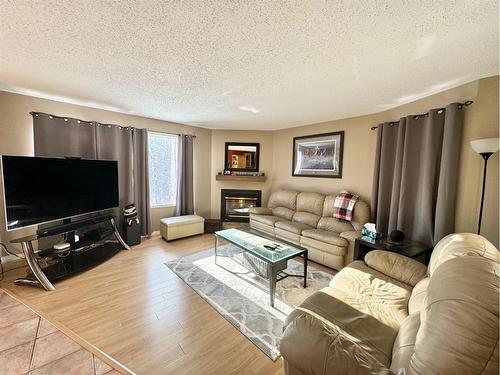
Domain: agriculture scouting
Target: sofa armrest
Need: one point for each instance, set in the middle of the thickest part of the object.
(397, 266)
(260, 211)
(314, 345)
(350, 236)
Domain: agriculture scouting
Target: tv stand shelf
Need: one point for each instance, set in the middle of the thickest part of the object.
(65, 228)
(93, 248)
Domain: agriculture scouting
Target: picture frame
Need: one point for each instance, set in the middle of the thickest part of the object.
(241, 157)
(318, 155)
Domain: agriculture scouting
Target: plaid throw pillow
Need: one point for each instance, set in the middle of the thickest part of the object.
(344, 205)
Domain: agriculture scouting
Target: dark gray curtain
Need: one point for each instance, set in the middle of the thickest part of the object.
(141, 179)
(415, 176)
(56, 136)
(115, 143)
(185, 195)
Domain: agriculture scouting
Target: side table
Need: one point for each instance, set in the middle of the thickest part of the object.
(412, 249)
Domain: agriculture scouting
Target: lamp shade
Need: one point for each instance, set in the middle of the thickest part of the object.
(485, 145)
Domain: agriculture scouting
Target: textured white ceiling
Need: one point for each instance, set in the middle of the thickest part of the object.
(245, 64)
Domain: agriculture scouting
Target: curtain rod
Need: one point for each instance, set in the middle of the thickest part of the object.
(162, 132)
(101, 123)
(460, 105)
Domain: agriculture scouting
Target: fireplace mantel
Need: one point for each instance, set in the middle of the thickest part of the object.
(221, 177)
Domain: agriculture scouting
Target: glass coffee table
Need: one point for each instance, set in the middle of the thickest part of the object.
(270, 253)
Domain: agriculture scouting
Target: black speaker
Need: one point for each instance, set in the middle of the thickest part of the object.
(132, 232)
(397, 236)
(131, 226)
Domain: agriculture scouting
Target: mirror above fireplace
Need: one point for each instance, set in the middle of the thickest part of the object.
(242, 157)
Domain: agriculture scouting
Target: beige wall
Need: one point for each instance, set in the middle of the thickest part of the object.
(219, 137)
(481, 121)
(16, 138)
(357, 169)
(359, 146)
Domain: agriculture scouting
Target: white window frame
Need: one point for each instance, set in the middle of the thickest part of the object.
(166, 135)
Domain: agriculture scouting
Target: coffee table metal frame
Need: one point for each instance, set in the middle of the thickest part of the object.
(273, 274)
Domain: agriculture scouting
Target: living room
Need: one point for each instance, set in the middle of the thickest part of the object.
(291, 188)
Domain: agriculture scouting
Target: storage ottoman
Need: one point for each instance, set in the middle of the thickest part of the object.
(175, 227)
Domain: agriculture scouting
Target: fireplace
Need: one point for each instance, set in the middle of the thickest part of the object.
(236, 203)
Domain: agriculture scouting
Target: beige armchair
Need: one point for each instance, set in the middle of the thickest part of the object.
(392, 315)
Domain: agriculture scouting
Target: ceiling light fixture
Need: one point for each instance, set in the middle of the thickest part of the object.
(249, 108)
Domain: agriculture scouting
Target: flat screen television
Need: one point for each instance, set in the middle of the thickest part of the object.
(39, 190)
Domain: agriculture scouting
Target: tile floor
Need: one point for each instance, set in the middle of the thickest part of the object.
(31, 345)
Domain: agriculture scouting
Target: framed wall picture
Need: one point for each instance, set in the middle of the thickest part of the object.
(241, 156)
(318, 155)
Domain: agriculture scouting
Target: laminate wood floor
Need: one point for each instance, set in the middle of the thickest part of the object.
(136, 310)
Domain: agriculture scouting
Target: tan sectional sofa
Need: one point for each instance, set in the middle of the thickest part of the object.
(392, 315)
(306, 219)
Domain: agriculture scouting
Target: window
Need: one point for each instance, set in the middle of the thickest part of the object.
(162, 169)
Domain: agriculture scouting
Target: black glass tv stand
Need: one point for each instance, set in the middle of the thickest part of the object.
(99, 240)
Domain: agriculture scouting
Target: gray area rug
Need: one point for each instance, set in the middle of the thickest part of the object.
(242, 297)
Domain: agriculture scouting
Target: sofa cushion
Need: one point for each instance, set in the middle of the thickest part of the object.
(325, 236)
(351, 322)
(325, 247)
(417, 298)
(404, 346)
(329, 259)
(287, 236)
(283, 213)
(461, 244)
(306, 218)
(266, 219)
(459, 323)
(397, 266)
(365, 306)
(314, 345)
(260, 211)
(262, 227)
(382, 297)
(335, 225)
(360, 216)
(283, 198)
(291, 226)
(283, 203)
(310, 202)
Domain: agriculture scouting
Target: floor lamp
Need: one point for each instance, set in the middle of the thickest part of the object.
(484, 147)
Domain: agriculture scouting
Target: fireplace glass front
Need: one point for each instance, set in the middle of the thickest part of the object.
(235, 204)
